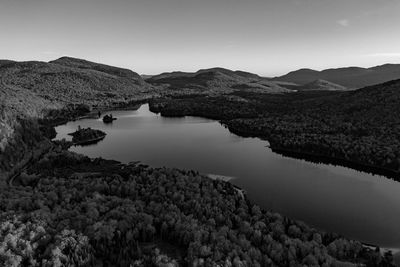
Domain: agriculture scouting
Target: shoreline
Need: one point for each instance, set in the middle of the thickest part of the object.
(93, 113)
(337, 161)
(89, 141)
(320, 158)
(297, 154)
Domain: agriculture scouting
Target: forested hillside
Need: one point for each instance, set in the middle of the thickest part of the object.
(69, 210)
(69, 80)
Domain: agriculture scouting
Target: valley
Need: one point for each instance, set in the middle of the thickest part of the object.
(99, 204)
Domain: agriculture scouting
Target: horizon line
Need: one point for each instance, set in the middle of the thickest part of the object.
(206, 68)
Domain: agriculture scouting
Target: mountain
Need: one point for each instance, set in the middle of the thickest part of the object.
(217, 80)
(32, 86)
(321, 85)
(71, 80)
(351, 77)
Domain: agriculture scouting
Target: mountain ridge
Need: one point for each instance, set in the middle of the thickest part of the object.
(350, 77)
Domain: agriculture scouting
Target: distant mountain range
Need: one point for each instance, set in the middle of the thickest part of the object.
(303, 79)
(351, 77)
(216, 80)
(28, 85)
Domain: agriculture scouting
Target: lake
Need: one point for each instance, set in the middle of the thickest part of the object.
(358, 205)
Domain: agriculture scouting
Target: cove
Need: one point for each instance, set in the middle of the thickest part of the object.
(337, 199)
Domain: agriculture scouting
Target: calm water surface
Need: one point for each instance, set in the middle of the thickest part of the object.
(358, 205)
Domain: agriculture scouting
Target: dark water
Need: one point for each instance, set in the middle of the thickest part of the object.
(358, 205)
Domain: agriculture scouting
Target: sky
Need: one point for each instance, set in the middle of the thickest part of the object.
(268, 37)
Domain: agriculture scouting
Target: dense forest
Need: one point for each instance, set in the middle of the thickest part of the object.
(358, 128)
(70, 210)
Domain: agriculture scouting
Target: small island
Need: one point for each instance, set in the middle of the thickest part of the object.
(87, 136)
(108, 118)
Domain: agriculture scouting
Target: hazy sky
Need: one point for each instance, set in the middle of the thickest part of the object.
(152, 36)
